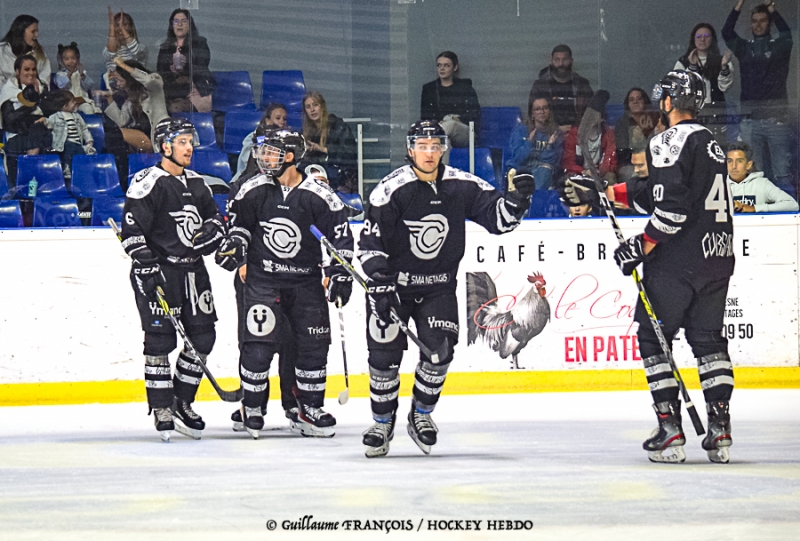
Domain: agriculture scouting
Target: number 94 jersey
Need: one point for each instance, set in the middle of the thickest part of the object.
(689, 201)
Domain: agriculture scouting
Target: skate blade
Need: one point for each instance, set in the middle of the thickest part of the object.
(719, 456)
(238, 426)
(186, 431)
(253, 432)
(675, 457)
(375, 452)
(424, 447)
(310, 431)
(165, 435)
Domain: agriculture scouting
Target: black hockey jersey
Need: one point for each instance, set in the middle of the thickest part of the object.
(689, 201)
(417, 228)
(162, 212)
(274, 222)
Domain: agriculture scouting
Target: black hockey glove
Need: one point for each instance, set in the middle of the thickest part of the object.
(340, 285)
(580, 190)
(209, 237)
(522, 182)
(230, 253)
(629, 254)
(147, 273)
(382, 294)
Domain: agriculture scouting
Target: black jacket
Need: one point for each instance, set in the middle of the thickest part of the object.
(341, 145)
(457, 99)
(176, 83)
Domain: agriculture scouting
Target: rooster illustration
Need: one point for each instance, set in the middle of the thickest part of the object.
(505, 331)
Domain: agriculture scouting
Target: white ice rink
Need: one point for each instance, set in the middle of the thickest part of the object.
(570, 463)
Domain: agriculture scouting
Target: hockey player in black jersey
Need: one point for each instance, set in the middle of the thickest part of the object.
(170, 221)
(687, 250)
(270, 220)
(410, 248)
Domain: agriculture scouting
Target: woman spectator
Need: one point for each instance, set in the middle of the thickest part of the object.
(703, 57)
(22, 38)
(637, 125)
(123, 41)
(537, 144)
(329, 140)
(451, 101)
(600, 143)
(183, 64)
(72, 76)
(274, 115)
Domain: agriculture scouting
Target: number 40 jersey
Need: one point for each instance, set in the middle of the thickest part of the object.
(689, 202)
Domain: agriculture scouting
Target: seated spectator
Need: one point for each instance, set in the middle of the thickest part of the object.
(70, 134)
(123, 42)
(183, 64)
(73, 77)
(599, 140)
(451, 101)
(703, 57)
(637, 125)
(329, 141)
(751, 190)
(568, 92)
(275, 115)
(537, 144)
(22, 39)
(22, 118)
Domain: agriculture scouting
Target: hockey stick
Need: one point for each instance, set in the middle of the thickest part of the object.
(344, 396)
(434, 356)
(609, 210)
(226, 396)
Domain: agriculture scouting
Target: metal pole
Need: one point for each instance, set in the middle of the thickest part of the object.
(360, 129)
(472, 147)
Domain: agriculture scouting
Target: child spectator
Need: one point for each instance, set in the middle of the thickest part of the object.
(329, 140)
(537, 144)
(22, 39)
(751, 190)
(70, 134)
(73, 77)
(451, 101)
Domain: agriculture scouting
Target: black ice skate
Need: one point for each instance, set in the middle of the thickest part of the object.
(164, 423)
(312, 422)
(377, 437)
(188, 422)
(668, 436)
(236, 417)
(422, 429)
(718, 437)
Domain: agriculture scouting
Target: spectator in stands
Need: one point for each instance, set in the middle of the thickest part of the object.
(22, 39)
(764, 63)
(329, 140)
(23, 120)
(70, 134)
(451, 101)
(73, 77)
(703, 57)
(537, 144)
(639, 162)
(123, 41)
(568, 92)
(751, 190)
(274, 115)
(183, 64)
(600, 141)
(637, 125)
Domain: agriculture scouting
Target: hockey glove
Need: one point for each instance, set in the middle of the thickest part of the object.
(147, 273)
(629, 254)
(209, 237)
(580, 190)
(522, 182)
(382, 294)
(230, 254)
(340, 285)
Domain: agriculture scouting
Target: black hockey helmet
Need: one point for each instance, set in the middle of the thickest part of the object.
(278, 142)
(170, 128)
(427, 129)
(686, 88)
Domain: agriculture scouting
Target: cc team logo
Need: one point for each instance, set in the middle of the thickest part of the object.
(282, 236)
(188, 221)
(206, 302)
(383, 334)
(260, 320)
(427, 235)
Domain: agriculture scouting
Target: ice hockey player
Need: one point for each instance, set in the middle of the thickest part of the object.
(687, 250)
(411, 246)
(170, 221)
(270, 221)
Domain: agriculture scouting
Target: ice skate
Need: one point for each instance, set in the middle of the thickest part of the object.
(377, 437)
(236, 417)
(253, 420)
(422, 429)
(312, 422)
(188, 422)
(718, 437)
(668, 436)
(164, 423)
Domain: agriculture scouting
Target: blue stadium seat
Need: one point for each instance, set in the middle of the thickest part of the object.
(546, 204)
(10, 214)
(3, 181)
(213, 163)
(104, 208)
(287, 87)
(614, 112)
(55, 212)
(484, 168)
(221, 199)
(237, 125)
(94, 176)
(95, 125)
(496, 125)
(137, 162)
(204, 124)
(46, 169)
(234, 91)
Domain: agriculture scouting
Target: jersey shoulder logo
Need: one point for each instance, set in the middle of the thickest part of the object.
(252, 184)
(715, 152)
(427, 235)
(324, 192)
(451, 173)
(187, 222)
(144, 181)
(382, 193)
(282, 237)
(666, 148)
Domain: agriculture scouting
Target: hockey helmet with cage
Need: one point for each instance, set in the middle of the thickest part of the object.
(169, 128)
(427, 129)
(686, 88)
(271, 149)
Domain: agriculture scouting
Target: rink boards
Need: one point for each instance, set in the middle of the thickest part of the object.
(70, 330)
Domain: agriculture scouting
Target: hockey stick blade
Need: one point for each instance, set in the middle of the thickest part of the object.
(434, 356)
(226, 396)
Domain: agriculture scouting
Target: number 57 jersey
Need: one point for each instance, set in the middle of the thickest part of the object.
(689, 202)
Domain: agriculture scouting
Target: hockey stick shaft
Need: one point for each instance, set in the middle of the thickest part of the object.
(433, 356)
(344, 395)
(609, 210)
(226, 396)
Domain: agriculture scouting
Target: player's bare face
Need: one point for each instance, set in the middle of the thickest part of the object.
(278, 118)
(639, 163)
(759, 24)
(27, 73)
(182, 150)
(738, 166)
(313, 109)
(426, 155)
(702, 39)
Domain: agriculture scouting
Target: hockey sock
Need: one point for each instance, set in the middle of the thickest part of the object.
(255, 385)
(428, 382)
(187, 377)
(716, 376)
(662, 382)
(158, 381)
(384, 386)
(311, 385)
